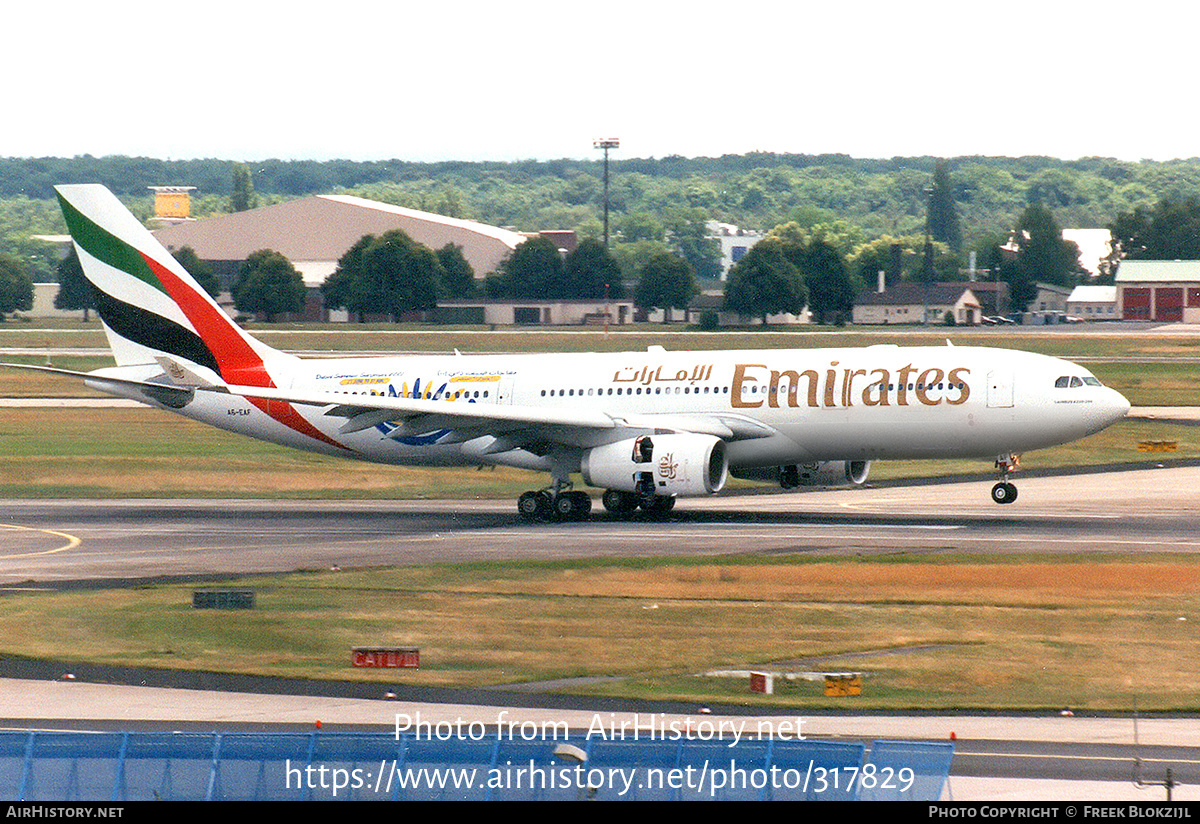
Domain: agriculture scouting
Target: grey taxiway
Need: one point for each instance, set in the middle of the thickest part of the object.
(1138, 511)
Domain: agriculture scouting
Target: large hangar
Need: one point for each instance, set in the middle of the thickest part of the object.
(1159, 290)
(314, 232)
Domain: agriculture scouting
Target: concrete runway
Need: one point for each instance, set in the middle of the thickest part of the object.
(72, 540)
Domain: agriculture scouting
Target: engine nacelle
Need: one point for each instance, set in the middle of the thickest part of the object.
(823, 473)
(832, 473)
(681, 465)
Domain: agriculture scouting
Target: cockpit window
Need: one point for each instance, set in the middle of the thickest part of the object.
(1073, 380)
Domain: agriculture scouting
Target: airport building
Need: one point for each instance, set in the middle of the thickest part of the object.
(314, 232)
(1159, 290)
(1093, 302)
(919, 303)
(735, 243)
(551, 312)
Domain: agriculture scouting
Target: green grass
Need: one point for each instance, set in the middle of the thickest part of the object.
(1016, 633)
(1152, 384)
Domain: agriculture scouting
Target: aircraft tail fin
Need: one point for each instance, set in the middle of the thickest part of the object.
(150, 306)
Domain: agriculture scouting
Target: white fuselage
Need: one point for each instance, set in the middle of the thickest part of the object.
(868, 403)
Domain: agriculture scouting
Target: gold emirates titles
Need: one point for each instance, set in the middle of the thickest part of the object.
(756, 384)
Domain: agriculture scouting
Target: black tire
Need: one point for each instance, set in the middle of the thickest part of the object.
(659, 506)
(1004, 493)
(583, 505)
(618, 502)
(531, 506)
(572, 506)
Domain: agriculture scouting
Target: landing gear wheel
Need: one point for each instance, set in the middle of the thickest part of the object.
(534, 505)
(658, 506)
(572, 506)
(1004, 493)
(618, 502)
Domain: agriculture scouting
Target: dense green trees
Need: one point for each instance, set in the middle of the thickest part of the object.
(1170, 230)
(537, 270)
(16, 289)
(458, 278)
(590, 272)
(242, 197)
(943, 217)
(688, 233)
(390, 274)
(764, 282)
(268, 285)
(902, 258)
(831, 288)
(757, 190)
(666, 281)
(816, 253)
(858, 206)
(74, 290)
(1041, 256)
(533, 270)
(1042, 253)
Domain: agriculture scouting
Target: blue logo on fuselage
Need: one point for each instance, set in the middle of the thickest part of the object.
(417, 393)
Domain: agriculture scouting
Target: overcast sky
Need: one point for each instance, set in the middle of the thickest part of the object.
(444, 80)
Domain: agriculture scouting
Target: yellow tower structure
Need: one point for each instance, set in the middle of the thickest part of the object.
(172, 204)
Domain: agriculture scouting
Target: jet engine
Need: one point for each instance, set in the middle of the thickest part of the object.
(663, 465)
(823, 473)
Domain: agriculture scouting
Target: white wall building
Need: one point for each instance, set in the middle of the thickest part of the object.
(1093, 302)
(535, 312)
(735, 243)
(918, 303)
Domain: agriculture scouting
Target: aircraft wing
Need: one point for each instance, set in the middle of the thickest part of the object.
(531, 427)
(385, 407)
(513, 426)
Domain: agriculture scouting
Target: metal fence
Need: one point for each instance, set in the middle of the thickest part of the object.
(130, 766)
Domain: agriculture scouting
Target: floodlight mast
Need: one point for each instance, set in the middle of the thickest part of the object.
(606, 143)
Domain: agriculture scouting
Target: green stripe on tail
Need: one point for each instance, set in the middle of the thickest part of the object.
(106, 247)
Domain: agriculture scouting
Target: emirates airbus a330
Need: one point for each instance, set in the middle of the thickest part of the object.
(645, 427)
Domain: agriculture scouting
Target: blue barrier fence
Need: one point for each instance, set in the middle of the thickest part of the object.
(131, 766)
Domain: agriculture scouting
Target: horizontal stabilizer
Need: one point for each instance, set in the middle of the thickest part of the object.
(163, 392)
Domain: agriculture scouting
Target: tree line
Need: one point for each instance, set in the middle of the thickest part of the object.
(876, 215)
(393, 275)
(756, 190)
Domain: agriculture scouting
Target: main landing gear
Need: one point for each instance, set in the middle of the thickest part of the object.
(1005, 492)
(544, 505)
(559, 503)
(624, 504)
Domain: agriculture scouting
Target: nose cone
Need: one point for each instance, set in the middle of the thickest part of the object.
(1110, 408)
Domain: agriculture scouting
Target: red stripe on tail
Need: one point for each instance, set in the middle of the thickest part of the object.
(239, 363)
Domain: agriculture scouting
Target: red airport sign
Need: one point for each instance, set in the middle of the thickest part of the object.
(386, 657)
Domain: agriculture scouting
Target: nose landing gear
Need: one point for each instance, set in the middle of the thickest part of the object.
(1005, 492)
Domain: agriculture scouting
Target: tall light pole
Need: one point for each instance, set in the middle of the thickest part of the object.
(606, 143)
(927, 263)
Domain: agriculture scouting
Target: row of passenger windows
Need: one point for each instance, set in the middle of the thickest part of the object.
(716, 390)
(629, 390)
(462, 393)
(1072, 381)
